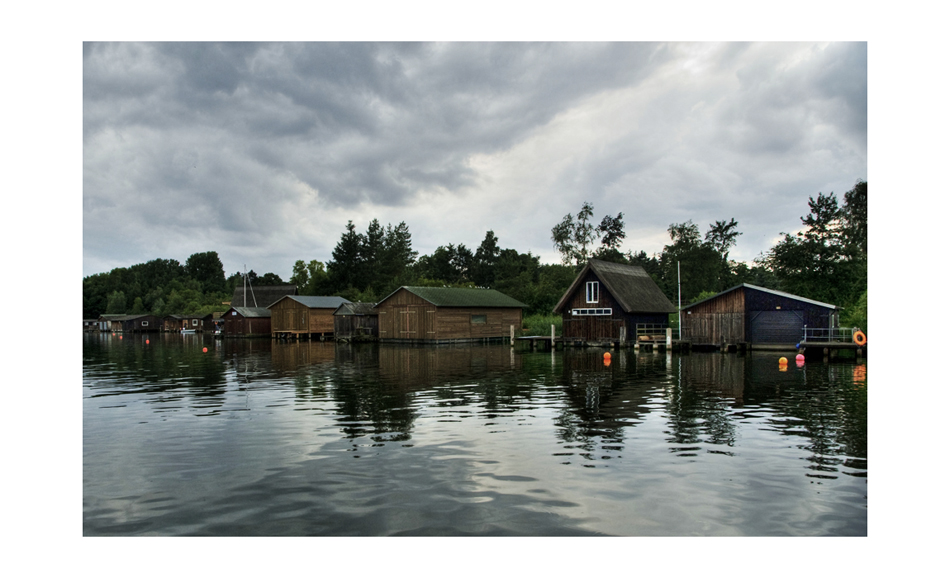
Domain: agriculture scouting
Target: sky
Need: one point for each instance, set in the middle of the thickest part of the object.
(264, 151)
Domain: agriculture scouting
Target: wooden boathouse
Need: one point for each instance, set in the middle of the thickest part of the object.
(247, 322)
(145, 323)
(199, 323)
(299, 316)
(356, 321)
(447, 315)
(747, 315)
(613, 302)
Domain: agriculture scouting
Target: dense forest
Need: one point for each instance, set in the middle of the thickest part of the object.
(826, 261)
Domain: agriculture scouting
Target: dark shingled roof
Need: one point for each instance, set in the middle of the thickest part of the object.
(253, 311)
(772, 291)
(462, 297)
(358, 308)
(314, 301)
(265, 295)
(630, 285)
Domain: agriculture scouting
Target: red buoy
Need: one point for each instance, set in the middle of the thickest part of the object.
(204, 350)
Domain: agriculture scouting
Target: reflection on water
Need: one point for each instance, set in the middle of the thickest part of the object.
(254, 437)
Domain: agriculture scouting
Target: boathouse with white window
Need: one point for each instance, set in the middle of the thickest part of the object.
(608, 300)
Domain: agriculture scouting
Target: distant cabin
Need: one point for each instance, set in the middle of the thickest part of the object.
(356, 320)
(110, 321)
(755, 316)
(304, 315)
(199, 323)
(145, 323)
(447, 314)
(607, 299)
(263, 296)
(247, 322)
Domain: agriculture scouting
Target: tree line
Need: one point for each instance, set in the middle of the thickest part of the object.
(826, 261)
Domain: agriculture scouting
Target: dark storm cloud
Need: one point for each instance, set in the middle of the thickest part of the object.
(264, 145)
(375, 122)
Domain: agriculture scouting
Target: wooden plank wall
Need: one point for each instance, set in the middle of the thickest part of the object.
(321, 321)
(717, 321)
(406, 316)
(351, 325)
(594, 327)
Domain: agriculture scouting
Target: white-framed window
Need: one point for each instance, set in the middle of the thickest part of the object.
(194, 322)
(593, 291)
(234, 313)
(145, 324)
(586, 312)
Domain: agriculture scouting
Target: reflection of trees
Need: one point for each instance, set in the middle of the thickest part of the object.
(827, 406)
(168, 364)
(379, 389)
(604, 400)
(699, 399)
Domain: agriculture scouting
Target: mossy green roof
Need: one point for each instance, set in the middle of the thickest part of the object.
(463, 297)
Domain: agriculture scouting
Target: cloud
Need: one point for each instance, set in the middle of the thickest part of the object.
(265, 150)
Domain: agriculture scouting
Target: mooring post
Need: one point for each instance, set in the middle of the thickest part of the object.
(512, 335)
(669, 337)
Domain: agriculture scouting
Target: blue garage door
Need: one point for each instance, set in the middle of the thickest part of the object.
(776, 327)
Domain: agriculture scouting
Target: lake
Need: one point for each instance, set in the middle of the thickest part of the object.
(261, 438)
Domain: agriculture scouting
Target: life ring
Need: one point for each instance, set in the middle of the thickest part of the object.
(860, 338)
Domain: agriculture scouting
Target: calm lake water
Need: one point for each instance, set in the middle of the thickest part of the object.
(257, 438)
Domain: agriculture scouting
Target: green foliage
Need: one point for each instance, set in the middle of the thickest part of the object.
(857, 314)
(703, 295)
(206, 268)
(116, 302)
(160, 287)
(573, 237)
(540, 324)
(828, 260)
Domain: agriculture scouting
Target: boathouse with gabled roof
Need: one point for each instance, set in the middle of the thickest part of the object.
(199, 323)
(356, 321)
(247, 322)
(447, 315)
(260, 296)
(612, 301)
(304, 315)
(141, 323)
(755, 316)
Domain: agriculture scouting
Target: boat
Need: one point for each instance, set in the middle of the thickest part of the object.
(188, 332)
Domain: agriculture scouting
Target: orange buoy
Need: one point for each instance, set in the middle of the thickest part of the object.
(860, 338)
(782, 361)
(607, 355)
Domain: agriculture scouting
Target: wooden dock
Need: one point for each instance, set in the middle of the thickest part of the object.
(546, 343)
(832, 349)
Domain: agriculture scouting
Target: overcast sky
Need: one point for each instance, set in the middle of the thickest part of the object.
(263, 152)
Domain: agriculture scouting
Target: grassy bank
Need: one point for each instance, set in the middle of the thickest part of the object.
(541, 324)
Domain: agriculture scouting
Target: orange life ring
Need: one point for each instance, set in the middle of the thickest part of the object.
(860, 338)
